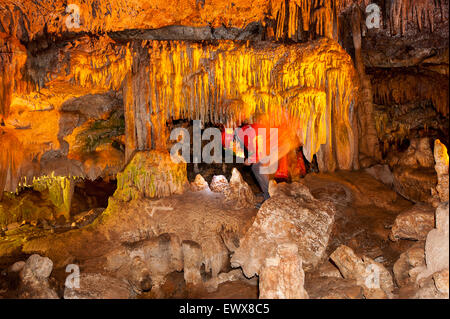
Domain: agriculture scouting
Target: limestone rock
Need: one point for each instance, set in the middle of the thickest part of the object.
(96, 286)
(17, 266)
(333, 288)
(437, 243)
(219, 184)
(291, 214)
(282, 276)
(199, 183)
(415, 223)
(381, 173)
(34, 278)
(36, 268)
(418, 154)
(327, 269)
(86, 218)
(192, 259)
(153, 258)
(239, 194)
(414, 184)
(441, 281)
(151, 174)
(404, 267)
(433, 286)
(441, 167)
(233, 275)
(372, 276)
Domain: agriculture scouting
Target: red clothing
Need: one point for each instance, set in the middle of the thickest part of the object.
(252, 142)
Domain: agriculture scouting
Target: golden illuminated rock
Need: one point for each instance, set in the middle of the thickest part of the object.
(304, 86)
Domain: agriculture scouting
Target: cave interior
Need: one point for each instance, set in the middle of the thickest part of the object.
(94, 93)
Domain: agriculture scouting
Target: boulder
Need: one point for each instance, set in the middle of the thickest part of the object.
(372, 276)
(418, 155)
(414, 184)
(437, 244)
(333, 288)
(433, 287)
(36, 268)
(327, 269)
(17, 266)
(405, 268)
(414, 223)
(97, 286)
(34, 278)
(239, 195)
(282, 276)
(199, 183)
(441, 281)
(293, 215)
(219, 184)
(147, 259)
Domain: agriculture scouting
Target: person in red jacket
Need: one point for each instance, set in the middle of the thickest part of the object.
(248, 142)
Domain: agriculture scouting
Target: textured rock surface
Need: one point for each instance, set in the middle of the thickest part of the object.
(34, 276)
(239, 195)
(406, 267)
(372, 276)
(199, 183)
(151, 174)
(96, 286)
(140, 240)
(441, 158)
(219, 184)
(415, 223)
(148, 259)
(333, 288)
(437, 243)
(414, 176)
(441, 281)
(381, 173)
(192, 262)
(282, 275)
(414, 184)
(291, 214)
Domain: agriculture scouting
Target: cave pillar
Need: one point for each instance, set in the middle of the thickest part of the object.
(368, 143)
(145, 119)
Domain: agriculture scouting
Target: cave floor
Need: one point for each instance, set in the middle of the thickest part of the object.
(365, 212)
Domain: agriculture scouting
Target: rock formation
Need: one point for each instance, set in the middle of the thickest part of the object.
(291, 214)
(372, 276)
(282, 275)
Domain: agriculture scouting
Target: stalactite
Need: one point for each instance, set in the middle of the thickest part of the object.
(407, 86)
(103, 65)
(12, 59)
(230, 83)
(60, 189)
(316, 16)
(420, 12)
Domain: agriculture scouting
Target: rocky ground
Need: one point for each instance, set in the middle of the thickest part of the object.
(335, 235)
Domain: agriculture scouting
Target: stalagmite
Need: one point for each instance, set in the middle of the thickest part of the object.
(441, 167)
(369, 144)
(282, 276)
